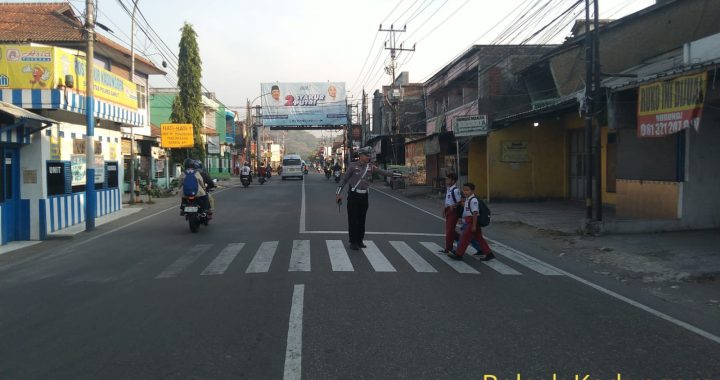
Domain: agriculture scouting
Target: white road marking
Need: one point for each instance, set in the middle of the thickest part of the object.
(339, 258)
(412, 257)
(223, 260)
(300, 256)
(525, 260)
(260, 263)
(599, 288)
(293, 351)
(494, 264)
(181, 263)
(375, 233)
(458, 265)
(378, 261)
(302, 210)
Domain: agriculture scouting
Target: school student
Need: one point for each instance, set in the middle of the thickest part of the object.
(453, 200)
(471, 230)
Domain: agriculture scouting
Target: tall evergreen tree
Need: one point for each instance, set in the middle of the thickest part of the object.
(187, 107)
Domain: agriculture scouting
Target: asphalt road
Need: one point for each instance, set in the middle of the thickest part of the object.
(269, 290)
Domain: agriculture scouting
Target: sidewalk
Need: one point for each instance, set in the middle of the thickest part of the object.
(649, 257)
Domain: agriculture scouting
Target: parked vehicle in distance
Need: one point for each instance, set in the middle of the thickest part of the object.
(292, 166)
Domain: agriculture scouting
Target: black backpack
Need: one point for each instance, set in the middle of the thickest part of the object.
(484, 215)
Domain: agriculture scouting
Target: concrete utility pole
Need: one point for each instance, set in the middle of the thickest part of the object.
(132, 127)
(363, 137)
(396, 105)
(596, 95)
(588, 115)
(90, 204)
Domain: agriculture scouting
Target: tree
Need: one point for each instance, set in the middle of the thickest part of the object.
(187, 106)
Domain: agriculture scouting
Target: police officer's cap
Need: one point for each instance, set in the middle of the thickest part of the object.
(366, 151)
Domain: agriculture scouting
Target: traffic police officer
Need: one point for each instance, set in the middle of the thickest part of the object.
(357, 176)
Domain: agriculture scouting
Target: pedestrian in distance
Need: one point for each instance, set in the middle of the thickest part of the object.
(357, 176)
(471, 229)
(452, 212)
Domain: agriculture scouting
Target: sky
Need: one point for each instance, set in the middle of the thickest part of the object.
(247, 42)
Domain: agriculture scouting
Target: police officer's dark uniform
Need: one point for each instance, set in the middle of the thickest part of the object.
(356, 177)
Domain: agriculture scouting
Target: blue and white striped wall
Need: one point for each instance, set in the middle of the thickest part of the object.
(16, 136)
(62, 211)
(70, 101)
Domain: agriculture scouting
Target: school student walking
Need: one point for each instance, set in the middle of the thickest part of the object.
(452, 211)
(471, 230)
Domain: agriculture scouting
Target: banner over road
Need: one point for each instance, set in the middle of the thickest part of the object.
(303, 105)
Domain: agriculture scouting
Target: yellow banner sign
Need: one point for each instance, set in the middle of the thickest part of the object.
(177, 136)
(671, 106)
(45, 67)
(26, 67)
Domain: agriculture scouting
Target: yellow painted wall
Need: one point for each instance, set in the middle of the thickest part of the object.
(544, 176)
(607, 198)
(477, 165)
(647, 199)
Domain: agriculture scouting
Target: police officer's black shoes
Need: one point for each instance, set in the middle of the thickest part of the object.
(354, 246)
(362, 245)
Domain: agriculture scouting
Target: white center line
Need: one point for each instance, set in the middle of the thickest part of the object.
(293, 352)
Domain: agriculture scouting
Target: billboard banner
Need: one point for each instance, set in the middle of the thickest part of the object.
(303, 105)
(473, 125)
(671, 106)
(45, 67)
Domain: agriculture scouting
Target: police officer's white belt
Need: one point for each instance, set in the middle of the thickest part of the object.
(360, 191)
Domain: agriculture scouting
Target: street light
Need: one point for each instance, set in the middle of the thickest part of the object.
(249, 121)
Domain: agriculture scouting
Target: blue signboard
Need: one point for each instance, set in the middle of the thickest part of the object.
(303, 105)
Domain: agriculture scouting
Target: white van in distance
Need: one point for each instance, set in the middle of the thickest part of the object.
(292, 166)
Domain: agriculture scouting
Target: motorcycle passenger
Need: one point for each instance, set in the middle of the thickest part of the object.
(245, 172)
(209, 184)
(201, 195)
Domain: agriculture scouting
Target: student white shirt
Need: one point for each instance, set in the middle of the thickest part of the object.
(452, 190)
(472, 205)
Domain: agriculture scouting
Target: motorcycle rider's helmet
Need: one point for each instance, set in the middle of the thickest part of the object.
(189, 163)
(198, 164)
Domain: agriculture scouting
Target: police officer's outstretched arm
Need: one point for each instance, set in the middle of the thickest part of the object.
(344, 180)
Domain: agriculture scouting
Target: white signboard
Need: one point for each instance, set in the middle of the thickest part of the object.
(474, 125)
(213, 144)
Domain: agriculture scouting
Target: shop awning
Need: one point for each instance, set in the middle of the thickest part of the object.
(24, 124)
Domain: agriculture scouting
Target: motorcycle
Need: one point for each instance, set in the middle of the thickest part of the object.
(337, 176)
(194, 213)
(261, 179)
(245, 180)
(327, 174)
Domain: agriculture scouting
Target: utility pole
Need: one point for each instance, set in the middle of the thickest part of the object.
(363, 119)
(132, 128)
(348, 108)
(588, 110)
(596, 95)
(90, 204)
(396, 105)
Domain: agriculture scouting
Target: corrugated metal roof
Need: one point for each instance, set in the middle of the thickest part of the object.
(21, 113)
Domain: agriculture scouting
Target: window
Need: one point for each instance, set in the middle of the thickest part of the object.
(141, 97)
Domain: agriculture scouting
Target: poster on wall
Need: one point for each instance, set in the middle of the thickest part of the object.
(671, 106)
(514, 151)
(78, 168)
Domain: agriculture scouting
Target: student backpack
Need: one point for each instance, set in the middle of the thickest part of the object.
(484, 214)
(190, 184)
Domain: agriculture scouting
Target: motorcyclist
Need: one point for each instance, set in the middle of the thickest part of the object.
(336, 168)
(245, 171)
(201, 195)
(209, 184)
(268, 170)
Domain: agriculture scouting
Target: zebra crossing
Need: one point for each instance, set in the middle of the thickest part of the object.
(421, 257)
